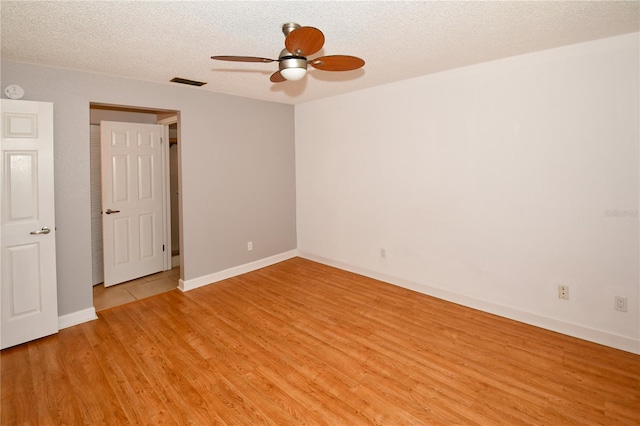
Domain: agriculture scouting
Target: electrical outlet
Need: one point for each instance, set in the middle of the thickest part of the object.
(250, 246)
(620, 303)
(383, 253)
(563, 291)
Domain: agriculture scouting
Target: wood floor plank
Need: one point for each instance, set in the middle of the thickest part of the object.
(253, 341)
(330, 334)
(18, 393)
(174, 390)
(186, 358)
(306, 344)
(128, 382)
(54, 394)
(349, 346)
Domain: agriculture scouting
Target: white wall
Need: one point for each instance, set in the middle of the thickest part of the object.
(237, 171)
(487, 185)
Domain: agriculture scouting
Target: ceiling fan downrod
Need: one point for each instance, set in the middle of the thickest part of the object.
(288, 27)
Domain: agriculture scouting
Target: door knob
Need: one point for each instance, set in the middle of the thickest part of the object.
(44, 230)
(109, 211)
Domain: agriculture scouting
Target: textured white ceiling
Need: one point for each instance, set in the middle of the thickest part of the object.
(158, 40)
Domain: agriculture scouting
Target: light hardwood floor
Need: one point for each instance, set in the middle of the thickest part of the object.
(299, 343)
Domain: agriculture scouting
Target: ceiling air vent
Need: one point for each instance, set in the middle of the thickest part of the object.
(186, 81)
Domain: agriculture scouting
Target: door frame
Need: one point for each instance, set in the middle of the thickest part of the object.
(174, 117)
(166, 201)
(167, 188)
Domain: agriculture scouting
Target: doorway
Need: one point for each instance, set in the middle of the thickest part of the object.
(142, 286)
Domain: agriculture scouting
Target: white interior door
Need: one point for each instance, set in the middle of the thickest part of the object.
(29, 308)
(134, 190)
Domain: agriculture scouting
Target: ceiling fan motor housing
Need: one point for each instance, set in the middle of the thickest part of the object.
(293, 62)
(293, 68)
(295, 65)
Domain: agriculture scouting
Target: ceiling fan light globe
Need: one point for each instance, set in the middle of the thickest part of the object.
(293, 68)
(293, 74)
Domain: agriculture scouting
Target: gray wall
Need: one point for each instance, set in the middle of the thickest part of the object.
(237, 171)
(98, 115)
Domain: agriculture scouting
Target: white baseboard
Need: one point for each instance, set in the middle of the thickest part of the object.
(613, 340)
(76, 318)
(236, 270)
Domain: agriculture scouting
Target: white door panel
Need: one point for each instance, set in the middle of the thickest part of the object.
(29, 308)
(133, 200)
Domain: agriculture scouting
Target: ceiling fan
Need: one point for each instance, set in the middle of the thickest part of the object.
(300, 43)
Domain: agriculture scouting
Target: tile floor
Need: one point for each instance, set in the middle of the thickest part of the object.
(130, 291)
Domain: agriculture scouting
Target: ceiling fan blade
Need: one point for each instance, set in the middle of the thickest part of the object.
(243, 59)
(337, 63)
(304, 41)
(276, 77)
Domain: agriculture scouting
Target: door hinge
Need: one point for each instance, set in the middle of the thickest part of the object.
(163, 247)
(161, 141)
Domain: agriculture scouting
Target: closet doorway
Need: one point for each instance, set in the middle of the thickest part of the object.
(152, 284)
